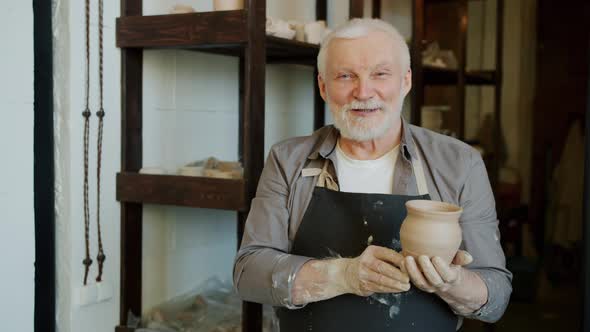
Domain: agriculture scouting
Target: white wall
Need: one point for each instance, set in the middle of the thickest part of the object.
(69, 102)
(17, 237)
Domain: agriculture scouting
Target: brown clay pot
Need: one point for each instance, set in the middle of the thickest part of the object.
(431, 228)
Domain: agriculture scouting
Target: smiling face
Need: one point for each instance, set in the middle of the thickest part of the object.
(364, 85)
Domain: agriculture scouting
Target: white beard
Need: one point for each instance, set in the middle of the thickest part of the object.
(364, 129)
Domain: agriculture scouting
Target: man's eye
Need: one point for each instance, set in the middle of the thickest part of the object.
(344, 76)
(381, 74)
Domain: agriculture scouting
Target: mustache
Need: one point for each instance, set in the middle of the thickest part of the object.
(369, 104)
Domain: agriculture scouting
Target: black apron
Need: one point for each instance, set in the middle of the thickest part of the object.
(344, 224)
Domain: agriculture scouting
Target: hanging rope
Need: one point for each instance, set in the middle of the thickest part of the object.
(100, 257)
(86, 114)
(100, 114)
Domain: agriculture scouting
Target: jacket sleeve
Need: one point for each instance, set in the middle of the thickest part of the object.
(263, 270)
(481, 238)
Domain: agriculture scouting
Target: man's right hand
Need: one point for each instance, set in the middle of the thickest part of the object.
(376, 270)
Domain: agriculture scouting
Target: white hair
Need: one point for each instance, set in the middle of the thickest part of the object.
(361, 27)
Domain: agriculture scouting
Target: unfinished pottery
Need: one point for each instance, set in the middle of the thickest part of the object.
(182, 9)
(431, 228)
(228, 4)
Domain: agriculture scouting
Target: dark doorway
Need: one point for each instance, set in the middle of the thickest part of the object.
(586, 262)
(551, 286)
(44, 169)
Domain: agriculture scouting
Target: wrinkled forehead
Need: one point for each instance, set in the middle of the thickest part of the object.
(367, 52)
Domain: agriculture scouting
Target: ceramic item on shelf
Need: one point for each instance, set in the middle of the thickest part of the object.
(152, 170)
(228, 4)
(298, 27)
(227, 166)
(314, 31)
(237, 173)
(431, 228)
(432, 117)
(215, 173)
(433, 56)
(182, 9)
(279, 28)
(191, 171)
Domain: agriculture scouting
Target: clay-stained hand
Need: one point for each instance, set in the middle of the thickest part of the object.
(376, 270)
(434, 275)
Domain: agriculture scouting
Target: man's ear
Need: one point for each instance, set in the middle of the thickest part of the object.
(407, 82)
(322, 86)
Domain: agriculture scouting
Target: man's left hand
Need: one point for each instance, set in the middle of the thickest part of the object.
(435, 275)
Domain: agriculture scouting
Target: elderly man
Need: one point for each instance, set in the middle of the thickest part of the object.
(322, 239)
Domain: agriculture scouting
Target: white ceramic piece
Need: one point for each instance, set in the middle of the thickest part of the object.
(182, 9)
(314, 31)
(228, 4)
(152, 170)
(191, 171)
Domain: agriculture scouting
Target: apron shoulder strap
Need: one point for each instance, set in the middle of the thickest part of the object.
(419, 174)
(326, 180)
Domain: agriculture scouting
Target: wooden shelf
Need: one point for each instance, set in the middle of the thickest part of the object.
(439, 76)
(446, 1)
(202, 32)
(124, 329)
(182, 30)
(280, 50)
(481, 77)
(188, 191)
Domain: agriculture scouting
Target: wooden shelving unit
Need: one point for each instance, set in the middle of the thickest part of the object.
(195, 31)
(239, 33)
(437, 76)
(426, 26)
(447, 20)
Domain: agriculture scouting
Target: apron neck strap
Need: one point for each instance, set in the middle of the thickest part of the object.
(325, 179)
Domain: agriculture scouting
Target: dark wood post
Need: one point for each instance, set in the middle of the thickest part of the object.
(376, 10)
(416, 54)
(356, 8)
(319, 115)
(131, 159)
(252, 128)
(461, 63)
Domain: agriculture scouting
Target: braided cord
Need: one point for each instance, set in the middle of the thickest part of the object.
(100, 114)
(86, 114)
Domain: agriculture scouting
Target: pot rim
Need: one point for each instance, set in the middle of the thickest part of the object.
(433, 207)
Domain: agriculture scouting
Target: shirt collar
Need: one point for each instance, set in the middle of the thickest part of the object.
(327, 143)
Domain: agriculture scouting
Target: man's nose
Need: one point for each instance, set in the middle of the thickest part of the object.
(364, 89)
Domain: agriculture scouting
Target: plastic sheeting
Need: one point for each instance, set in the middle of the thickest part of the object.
(214, 306)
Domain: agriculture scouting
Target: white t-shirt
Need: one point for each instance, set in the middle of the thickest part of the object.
(366, 176)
